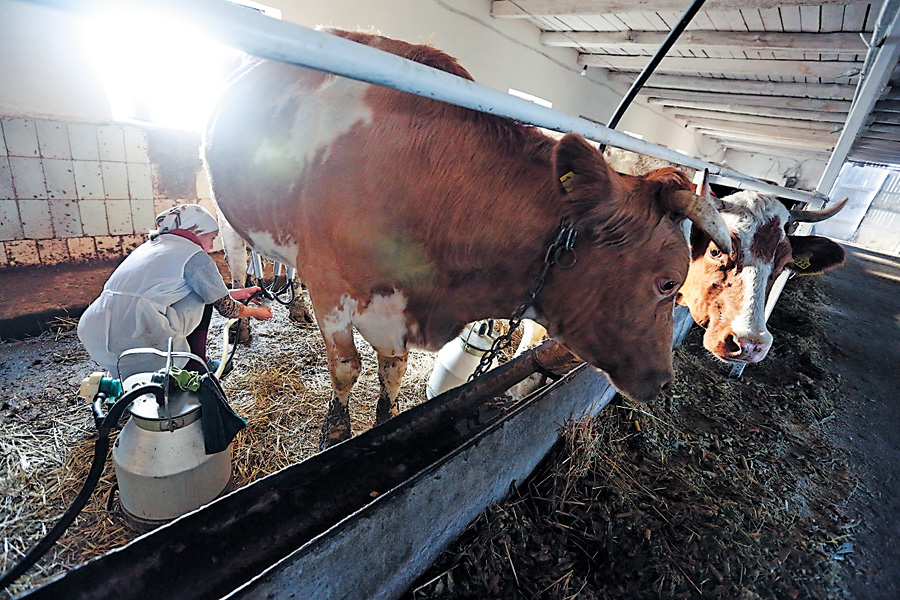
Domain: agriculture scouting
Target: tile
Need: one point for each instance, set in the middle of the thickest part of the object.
(83, 141)
(10, 223)
(142, 215)
(108, 247)
(3, 152)
(118, 213)
(81, 249)
(21, 137)
(36, 222)
(28, 177)
(60, 177)
(6, 185)
(111, 140)
(4, 262)
(53, 252)
(88, 179)
(93, 217)
(130, 242)
(140, 181)
(53, 139)
(161, 204)
(66, 218)
(22, 253)
(115, 180)
(136, 146)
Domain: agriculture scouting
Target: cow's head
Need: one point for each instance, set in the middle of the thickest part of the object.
(727, 293)
(614, 307)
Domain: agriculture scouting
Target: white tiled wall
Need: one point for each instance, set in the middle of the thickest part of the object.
(72, 191)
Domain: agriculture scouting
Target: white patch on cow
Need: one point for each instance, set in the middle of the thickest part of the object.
(750, 321)
(383, 324)
(321, 115)
(340, 318)
(266, 244)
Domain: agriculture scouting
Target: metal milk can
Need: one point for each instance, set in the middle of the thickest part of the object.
(459, 358)
(160, 462)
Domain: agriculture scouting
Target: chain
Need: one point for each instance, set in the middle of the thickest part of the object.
(561, 253)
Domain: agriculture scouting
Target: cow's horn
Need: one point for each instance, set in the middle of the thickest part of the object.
(703, 213)
(814, 216)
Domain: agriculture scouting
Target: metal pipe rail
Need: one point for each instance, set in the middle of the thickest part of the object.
(256, 34)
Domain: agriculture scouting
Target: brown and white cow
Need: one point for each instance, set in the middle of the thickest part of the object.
(727, 292)
(408, 218)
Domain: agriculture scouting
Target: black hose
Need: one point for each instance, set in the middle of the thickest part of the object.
(654, 62)
(101, 448)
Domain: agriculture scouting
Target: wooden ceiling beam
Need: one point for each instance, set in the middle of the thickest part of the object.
(522, 9)
(741, 86)
(734, 41)
(688, 114)
(780, 152)
(726, 66)
(879, 135)
(837, 106)
(772, 140)
(738, 127)
(889, 106)
(764, 111)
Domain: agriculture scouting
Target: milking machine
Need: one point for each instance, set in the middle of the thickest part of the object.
(459, 358)
(172, 456)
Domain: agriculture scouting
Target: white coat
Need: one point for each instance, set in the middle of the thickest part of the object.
(145, 301)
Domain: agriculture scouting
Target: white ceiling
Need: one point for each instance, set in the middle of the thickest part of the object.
(767, 77)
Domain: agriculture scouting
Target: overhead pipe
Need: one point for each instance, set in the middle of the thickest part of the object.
(256, 34)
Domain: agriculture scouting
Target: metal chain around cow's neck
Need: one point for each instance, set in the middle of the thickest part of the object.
(564, 242)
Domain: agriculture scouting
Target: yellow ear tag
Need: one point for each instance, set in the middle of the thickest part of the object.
(803, 261)
(566, 181)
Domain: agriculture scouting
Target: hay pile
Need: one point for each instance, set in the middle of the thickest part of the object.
(722, 489)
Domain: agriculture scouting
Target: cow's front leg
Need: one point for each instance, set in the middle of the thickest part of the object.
(390, 375)
(344, 366)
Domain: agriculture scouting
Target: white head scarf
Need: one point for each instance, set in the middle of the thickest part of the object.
(189, 217)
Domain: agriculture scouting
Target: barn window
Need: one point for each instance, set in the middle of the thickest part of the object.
(530, 98)
(157, 69)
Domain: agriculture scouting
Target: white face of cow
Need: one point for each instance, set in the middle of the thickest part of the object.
(727, 293)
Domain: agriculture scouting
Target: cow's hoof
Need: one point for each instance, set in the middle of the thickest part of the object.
(240, 332)
(336, 427)
(385, 410)
(298, 312)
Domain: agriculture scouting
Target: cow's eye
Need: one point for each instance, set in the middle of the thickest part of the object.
(667, 286)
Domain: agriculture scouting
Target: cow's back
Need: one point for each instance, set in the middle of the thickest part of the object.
(379, 189)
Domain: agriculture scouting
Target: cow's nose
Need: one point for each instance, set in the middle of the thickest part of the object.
(747, 348)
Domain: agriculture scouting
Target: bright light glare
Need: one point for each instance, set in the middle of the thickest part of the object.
(156, 69)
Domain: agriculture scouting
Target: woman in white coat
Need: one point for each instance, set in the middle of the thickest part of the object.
(165, 289)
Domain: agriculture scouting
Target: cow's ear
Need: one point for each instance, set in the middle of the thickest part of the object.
(577, 165)
(812, 254)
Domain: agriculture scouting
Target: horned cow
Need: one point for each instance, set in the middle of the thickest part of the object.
(407, 218)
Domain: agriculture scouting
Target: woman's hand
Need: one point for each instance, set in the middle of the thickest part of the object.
(244, 293)
(260, 313)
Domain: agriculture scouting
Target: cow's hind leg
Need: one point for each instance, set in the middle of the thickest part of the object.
(390, 374)
(344, 366)
(298, 310)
